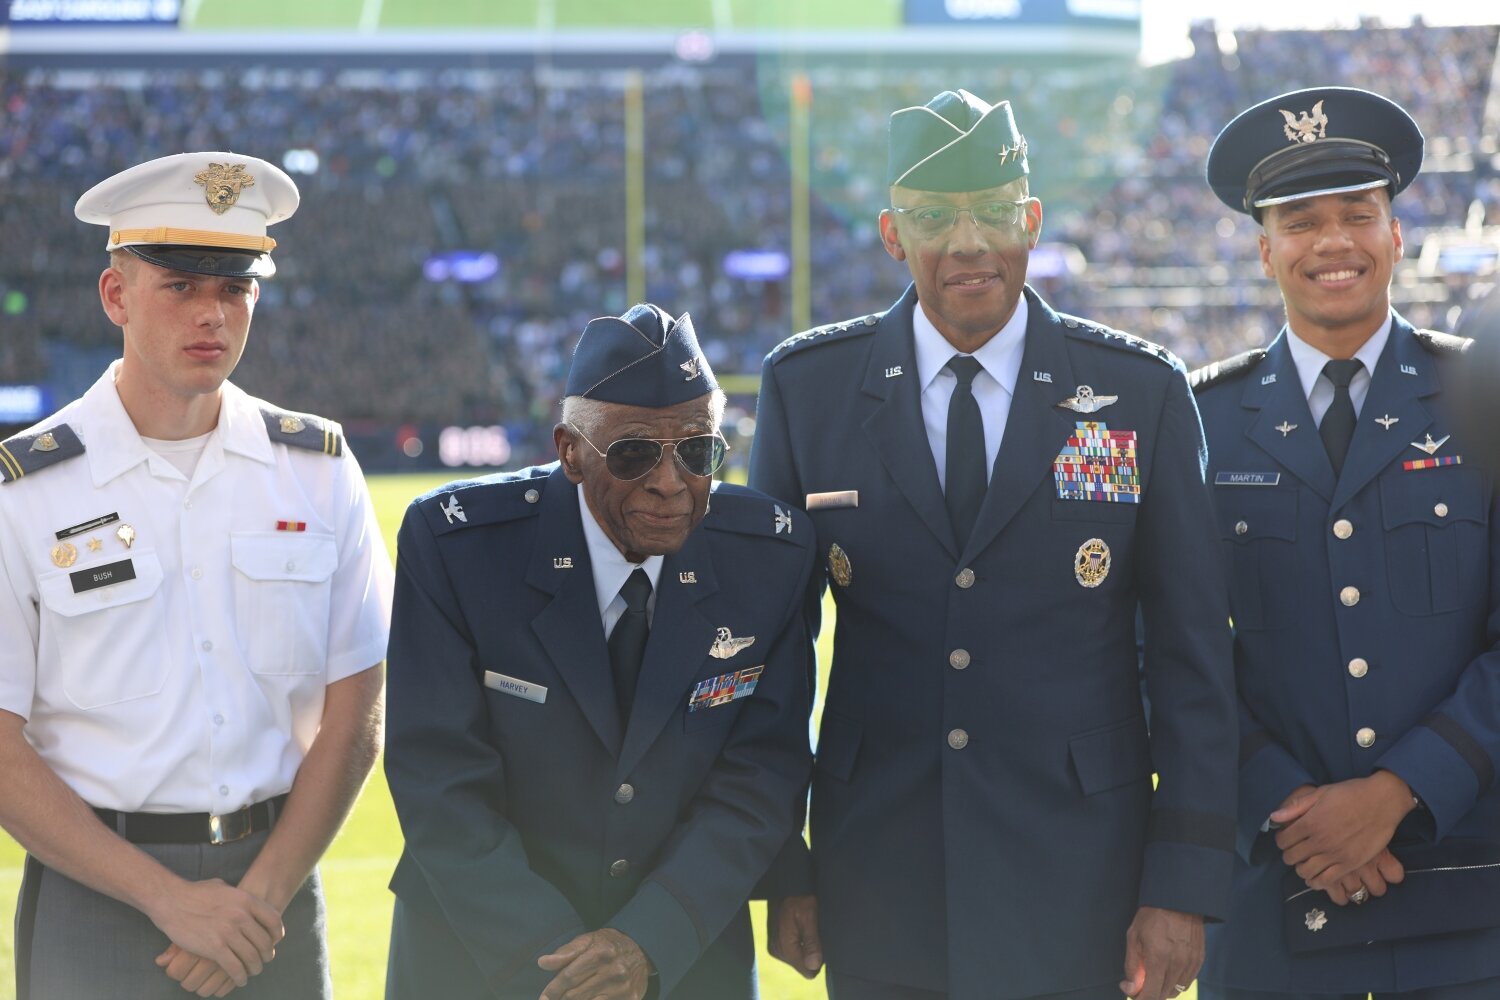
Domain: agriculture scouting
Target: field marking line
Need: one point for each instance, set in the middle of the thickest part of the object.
(189, 15)
(723, 15)
(369, 15)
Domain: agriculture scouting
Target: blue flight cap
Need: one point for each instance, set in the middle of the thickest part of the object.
(1324, 140)
(955, 142)
(643, 358)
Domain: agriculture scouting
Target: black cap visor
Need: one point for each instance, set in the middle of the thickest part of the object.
(1324, 167)
(206, 260)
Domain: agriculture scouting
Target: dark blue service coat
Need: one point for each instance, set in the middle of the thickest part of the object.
(983, 819)
(1366, 611)
(529, 816)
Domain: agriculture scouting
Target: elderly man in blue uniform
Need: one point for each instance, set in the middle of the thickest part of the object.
(598, 699)
(194, 601)
(996, 489)
(1362, 557)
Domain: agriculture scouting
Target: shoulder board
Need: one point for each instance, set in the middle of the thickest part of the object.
(1443, 343)
(749, 512)
(1122, 340)
(303, 430)
(1221, 371)
(469, 503)
(825, 334)
(26, 453)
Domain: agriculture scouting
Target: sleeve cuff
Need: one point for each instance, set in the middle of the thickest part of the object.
(664, 929)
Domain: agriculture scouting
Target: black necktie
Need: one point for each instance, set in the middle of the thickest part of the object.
(627, 643)
(1338, 423)
(964, 489)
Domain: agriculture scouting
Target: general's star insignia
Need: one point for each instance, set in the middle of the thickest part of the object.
(727, 645)
(1085, 401)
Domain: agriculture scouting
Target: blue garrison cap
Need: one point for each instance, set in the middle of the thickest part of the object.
(643, 358)
(1324, 140)
(955, 142)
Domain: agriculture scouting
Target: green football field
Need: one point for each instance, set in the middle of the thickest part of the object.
(512, 15)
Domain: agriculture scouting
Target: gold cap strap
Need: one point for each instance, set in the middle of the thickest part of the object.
(192, 238)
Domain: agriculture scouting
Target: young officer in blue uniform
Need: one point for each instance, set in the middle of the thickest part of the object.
(1361, 541)
(598, 699)
(996, 489)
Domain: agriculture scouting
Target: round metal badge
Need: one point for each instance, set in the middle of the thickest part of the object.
(1091, 564)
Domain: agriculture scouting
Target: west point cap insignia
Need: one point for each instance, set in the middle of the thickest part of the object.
(1316, 920)
(64, 554)
(783, 520)
(1086, 401)
(44, 442)
(838, 565)
(1091, 564)
(222, 185)
(292, 425)
(1430, 446)
(726, 645)
(691, 367)
(1305, 127)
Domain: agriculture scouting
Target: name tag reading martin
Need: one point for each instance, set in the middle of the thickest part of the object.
(102, 576)
(515, 687)
(1247, 478)
(838, 498)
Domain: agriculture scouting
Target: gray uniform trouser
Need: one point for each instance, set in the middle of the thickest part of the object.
(76, 944)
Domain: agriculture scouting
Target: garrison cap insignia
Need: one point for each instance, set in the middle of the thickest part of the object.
(222, 185)
(303, 430)
(838, 565)
(26, 453)
(1308, 127)
(1091, 564)
(1086, 402)
(726, 645)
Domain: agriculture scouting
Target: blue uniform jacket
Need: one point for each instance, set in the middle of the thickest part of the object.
(1419, 549)
(529, 816)
(983, 820)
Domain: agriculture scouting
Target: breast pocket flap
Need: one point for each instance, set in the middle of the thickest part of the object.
(276, 555)
(1111, 757)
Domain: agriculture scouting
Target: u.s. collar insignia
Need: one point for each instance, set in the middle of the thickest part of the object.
(292, 425)
(1305, 127)
(783, 520)
(1086, 401)
(838, 565)
(222, 185)
(562, 562)
(1430, 446)
(44, 442)
(1316, 920)
(687, 576)
(691, 367)
(727, 645)
(454, 509)
(1091, 564)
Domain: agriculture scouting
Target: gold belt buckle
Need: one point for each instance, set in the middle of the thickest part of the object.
(230, 827)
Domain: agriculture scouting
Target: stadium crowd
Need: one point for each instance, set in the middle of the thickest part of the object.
(529, 164)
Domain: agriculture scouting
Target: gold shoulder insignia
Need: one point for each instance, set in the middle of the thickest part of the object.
(303, 430)
(26, 453)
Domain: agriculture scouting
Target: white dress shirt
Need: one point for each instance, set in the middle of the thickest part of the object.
(612, 569)
(1315, 385)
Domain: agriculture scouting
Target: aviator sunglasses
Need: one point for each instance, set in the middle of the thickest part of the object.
(631, 458)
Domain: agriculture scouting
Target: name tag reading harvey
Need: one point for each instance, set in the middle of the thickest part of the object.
(515, 687)
(102, 576)
(839, 498)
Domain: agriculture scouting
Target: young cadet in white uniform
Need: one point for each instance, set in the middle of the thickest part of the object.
(195, 602)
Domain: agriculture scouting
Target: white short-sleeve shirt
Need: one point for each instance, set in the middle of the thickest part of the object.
(195, 683)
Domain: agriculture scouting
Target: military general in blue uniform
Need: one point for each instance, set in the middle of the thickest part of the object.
(1362, 539)
(997, 488)
(598, 699)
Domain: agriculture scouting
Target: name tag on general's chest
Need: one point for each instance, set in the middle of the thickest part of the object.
(102, 576)
(515, 687)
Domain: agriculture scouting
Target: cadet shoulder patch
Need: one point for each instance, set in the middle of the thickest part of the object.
(745, 511)
(1443, 343)
(1222, 371)
(303, 430)
(1121, 340)
(26, 453)
(825, 335)
(494, 499)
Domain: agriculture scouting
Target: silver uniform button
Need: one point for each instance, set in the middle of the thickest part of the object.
(958, 739)
(958, 659)
(1365, 737)
(965, 579)
(1441, 510)
(1240, 527)
(624, 793)
(1343, 528)
(1358, 667)
(619, 868)
(532, 496)
(1350, 596)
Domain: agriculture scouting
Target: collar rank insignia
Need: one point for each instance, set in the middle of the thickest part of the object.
(1387, 420)
(727, 645)
(562, 562)
(44, 442)
(1430, 446)
(454, 509)
(1086, 401)
(1316, 920)
(222, 184)
(1285, 428)
(1305, 127)
(687, 576)
(691, 367)
(783, 520)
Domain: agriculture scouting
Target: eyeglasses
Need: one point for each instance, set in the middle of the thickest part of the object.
(629, 459)
(934, 220)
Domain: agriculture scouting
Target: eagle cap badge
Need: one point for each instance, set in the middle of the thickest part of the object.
(1305, 126)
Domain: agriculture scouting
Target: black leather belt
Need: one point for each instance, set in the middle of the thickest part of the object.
(193, 828)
